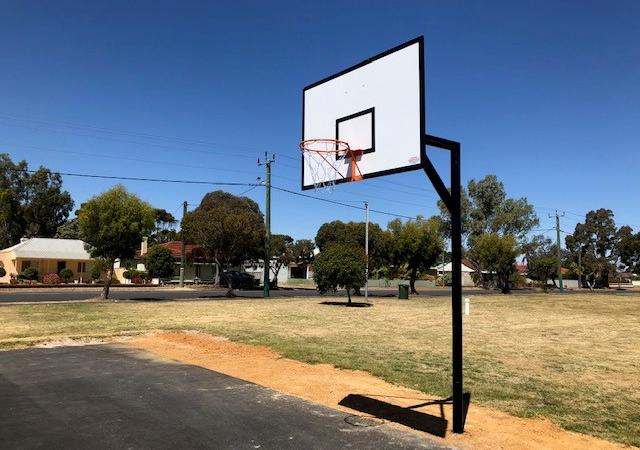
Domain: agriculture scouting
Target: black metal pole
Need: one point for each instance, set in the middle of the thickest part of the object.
(456, 292)
(452, 200)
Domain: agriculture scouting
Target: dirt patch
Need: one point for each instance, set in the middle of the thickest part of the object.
(486, 428)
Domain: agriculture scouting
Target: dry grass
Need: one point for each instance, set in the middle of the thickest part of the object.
(573, 359)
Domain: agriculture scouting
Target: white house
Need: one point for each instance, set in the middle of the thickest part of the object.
(467, 280)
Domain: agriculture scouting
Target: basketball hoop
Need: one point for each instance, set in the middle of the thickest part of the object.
(323, 158)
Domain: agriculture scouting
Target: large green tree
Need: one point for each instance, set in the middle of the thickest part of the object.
(497, 254)
(340, 265)
(303, 251)
(630, 251)
(416, 244)
(597, 240)
(542, 262)
(353, 233)
(112, 225)
(230, 228)
(165, 227)
(32, 204)
(68, 230)
(487, 209)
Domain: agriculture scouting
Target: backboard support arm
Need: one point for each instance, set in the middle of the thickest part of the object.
(453, 201)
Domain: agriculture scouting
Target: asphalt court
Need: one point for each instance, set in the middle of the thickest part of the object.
(113, 396)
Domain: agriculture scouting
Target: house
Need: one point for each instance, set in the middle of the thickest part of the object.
(47, 255)
(467, 280)
(198, 266)
(291, 273)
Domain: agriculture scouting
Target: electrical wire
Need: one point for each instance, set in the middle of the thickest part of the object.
(156, 180)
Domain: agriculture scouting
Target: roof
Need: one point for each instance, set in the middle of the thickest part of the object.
(49, 248)
(175, 247)
(448, 266)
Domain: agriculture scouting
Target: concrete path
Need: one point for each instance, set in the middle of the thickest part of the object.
(113, 397)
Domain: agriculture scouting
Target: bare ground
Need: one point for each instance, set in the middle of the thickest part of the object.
(322, 383)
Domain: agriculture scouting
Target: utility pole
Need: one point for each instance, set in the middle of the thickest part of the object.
(366, 249)
(558, 249)
(183, 250)
(579, 266)
(267, 218)
(442, 269)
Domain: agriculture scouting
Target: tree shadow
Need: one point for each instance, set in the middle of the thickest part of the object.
(352, 304)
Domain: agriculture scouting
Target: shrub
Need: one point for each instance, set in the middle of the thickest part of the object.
(66, 275)
(51, 278)
(30, 273)
(160, 262)
(136, 276)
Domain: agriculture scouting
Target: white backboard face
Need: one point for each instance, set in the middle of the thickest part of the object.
(376, 106)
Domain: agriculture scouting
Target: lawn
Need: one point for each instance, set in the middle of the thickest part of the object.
(573, 359)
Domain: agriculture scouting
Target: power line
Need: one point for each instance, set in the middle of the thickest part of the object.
(156, 180)
(335, 202)
(218, 183)
(124, 158)
(114, 131)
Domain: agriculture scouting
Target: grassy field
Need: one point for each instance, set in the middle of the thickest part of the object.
(574, 359)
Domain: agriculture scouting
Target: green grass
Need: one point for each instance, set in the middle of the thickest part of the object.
(573, 359)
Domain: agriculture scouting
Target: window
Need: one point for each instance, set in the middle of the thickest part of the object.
(61, 265)
(82, 267)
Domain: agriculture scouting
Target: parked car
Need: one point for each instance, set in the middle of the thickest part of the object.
(238, 280)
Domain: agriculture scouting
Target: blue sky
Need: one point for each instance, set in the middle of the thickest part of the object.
(546, 95)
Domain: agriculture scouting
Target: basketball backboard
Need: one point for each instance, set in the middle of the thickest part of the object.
(377, 107)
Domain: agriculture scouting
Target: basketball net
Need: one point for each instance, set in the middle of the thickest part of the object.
(323, 158)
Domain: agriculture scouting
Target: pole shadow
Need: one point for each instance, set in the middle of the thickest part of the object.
(406, 416)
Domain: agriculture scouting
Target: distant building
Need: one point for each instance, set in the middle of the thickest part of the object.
(47, 255)
(442, 269)
(198, 267)
(291, 273)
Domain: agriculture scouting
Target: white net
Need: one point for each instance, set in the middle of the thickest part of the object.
(321, 161)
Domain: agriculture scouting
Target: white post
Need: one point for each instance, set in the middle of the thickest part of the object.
(466, 306)
(366, 250)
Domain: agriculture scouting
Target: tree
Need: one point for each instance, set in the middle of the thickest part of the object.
(45, 205)
(159, 262)
(303, 251)
(416, 244)
(497, 254)
(542, 262)
(353, 233)
(68, 230)
(597, 240)
(486, 209)
(112, 225)
(3, 272)
(340, 266)
(165, 227)
(630, 251)
(31, 204)
(282, 253)
(230, 228)
(98, 267)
